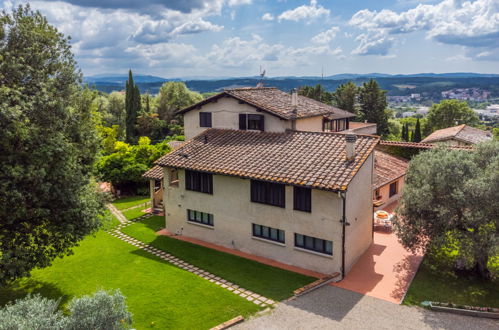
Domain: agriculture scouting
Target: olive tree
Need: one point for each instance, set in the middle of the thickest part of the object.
(450, 199)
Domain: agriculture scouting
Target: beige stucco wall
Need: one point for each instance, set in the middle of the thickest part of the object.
(311, 124)
(234, 214)
(359, 214)
(385, 192)
(225, 114)
(371, 129)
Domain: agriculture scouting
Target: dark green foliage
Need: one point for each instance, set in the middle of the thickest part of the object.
(404, 132)
(48, 145)
(317, 93)
(449, 113)
(373, 104)
(132, 108)
(416, 137)
(450, 199)
(173, 96)
(345, 97)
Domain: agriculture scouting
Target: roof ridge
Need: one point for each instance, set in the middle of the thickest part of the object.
(246, 88)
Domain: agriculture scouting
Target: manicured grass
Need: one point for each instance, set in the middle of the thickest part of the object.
(156, 291)
(433, 284)
(271, 282)
(133, 213)
(127, 202)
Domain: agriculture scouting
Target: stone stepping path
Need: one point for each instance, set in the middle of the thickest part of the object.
(243, 293)
(121, 218)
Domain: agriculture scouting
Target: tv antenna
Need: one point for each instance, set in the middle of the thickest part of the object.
(262, 76)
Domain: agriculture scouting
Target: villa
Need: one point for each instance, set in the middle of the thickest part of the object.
(462, 135)
(272, 174)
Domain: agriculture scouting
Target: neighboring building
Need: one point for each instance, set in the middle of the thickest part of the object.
(263, 109)
(289, 196)
(461, 135)
(389, 177)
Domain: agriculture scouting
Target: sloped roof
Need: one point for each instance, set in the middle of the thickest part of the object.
(155, 173)
(462, 133)
(278, 103)
(387, 168)
(418, 145)
(311, 159)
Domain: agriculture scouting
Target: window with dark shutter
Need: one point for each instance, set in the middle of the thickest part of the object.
(205, 119)
(393, 189)
(198, 181)
(242, 121)
(302, 199)
(268, 193)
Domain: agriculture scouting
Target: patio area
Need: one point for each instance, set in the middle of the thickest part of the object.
(384, 271)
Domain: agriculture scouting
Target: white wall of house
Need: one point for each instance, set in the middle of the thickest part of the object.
(359, 214)
(234, 214)
(225, 114)
(384, 192)
(311, 124)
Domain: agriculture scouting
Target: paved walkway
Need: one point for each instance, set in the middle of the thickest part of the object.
(384, 271)
(259, 259)
(335, 308)
(243, 293)
(117, 213)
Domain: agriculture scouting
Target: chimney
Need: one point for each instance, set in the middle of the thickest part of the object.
(350, 146)
(294, 98)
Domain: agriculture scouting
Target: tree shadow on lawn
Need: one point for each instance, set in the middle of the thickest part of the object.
(23, 287)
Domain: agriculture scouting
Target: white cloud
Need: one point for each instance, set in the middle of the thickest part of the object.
(326, 36)
(267, 17)
(304, 12)
(233, 3)
(457, 22)
(373, 44)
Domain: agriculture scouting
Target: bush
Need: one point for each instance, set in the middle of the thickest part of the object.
(102, 311)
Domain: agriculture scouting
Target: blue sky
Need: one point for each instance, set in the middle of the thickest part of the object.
(182, 38)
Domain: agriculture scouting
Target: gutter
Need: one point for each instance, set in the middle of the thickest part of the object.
(343, 234)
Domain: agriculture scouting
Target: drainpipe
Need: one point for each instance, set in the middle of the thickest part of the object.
(344, 223)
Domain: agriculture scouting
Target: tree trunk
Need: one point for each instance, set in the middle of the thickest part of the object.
(480, 267)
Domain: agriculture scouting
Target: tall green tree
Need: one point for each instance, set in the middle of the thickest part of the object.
(450, 200)
(416, 137)
(317, 92)
(116, 114)
(173, 96)
(450, 113)
(372, 101)
(404, 132)
(132, 107)
(345, 97)
(48, 146)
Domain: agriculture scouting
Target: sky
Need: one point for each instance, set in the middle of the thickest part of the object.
(234, 38)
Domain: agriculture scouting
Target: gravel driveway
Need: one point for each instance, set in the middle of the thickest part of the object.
(335, 308)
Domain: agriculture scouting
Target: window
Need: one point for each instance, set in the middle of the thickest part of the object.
(335, 125)
(198, 181)
(303, 199)
(268, 193)
(205, 119)
(393, 188)
(251, 122)
(200, 217)
(271, 234)
(377, 193)
(314, 244)
(173, 178)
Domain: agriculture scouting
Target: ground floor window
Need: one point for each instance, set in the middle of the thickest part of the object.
(314, 244)
(269, 233)
(200, 217)
(377, 193)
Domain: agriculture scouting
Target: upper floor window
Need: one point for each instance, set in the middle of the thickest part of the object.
(302, 199)
(393, 189)
(335, 125)
(205, 119)
(251, 122)
(199, 181)
(173, 178)
(268, 193)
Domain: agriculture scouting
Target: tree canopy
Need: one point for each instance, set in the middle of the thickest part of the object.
(372, 106)
(450, 200)
(345, 97)
(48, 145)
(450, 113)
(174, 95)
(318, 93)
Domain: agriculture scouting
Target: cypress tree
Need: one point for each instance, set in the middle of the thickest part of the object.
(403, 132)
(132, 107)
(417, 133)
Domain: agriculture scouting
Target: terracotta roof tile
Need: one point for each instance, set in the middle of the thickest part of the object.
(387, 168)
(155, 173)
(298, 158)
(419, 145)
(278, 103)
(463, 133)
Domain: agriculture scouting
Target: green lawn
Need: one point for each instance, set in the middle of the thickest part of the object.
(127, 202)
(433, 284)
(265, 280)
(133, 213)
(156, 291)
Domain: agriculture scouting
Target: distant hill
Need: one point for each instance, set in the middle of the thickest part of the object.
(395, 84)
